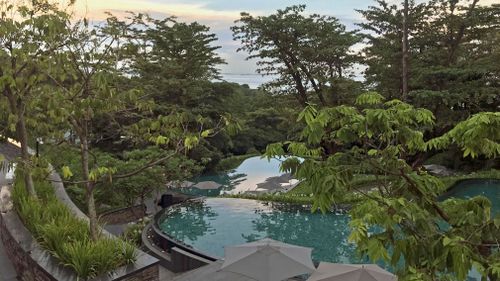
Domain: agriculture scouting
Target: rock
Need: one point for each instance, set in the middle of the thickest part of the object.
(5, 199)
(438, 170)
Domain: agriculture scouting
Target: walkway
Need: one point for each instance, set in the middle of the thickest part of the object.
(7, 272)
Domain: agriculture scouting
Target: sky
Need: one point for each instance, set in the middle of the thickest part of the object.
(219, 15)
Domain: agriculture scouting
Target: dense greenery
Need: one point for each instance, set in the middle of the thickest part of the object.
(453, 56)
(131, 104)
(306, 54)
(377, 137)
(57, 229)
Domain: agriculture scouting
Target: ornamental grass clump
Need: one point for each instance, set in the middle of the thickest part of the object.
(67, 237)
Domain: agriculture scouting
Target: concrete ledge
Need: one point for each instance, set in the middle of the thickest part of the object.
(184, 261)
(144, 265)
(32, 262)
(173, 254)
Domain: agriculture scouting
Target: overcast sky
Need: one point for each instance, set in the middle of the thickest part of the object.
(219, 15)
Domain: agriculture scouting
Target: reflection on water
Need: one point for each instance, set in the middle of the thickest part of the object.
(255, 174)
(237, 221)
(190, 221)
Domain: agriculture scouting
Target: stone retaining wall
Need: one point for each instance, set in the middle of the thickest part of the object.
(33, 263)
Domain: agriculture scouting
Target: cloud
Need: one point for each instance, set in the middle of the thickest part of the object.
(187, 11)
(95, 9)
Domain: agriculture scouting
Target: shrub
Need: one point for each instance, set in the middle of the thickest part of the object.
(134, 231)
(65, 236)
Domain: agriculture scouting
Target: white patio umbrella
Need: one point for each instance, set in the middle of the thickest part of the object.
(207, 185)
(350, 272)
(268, 260)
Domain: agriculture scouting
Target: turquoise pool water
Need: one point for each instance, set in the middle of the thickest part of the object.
(470, 188)
(210, 224)
(213, 223)
(253, 174)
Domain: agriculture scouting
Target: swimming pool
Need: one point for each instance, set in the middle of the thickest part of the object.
(255, 174)
(210, 224)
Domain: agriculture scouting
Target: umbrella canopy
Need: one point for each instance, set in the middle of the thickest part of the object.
(268, 260)
(207, 185)
(350, 272)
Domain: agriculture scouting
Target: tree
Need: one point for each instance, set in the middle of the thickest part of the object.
(87, 73)
(30, 32)
(171, 60)
(83, 73)
(404, 62)
(451, 50)
(455, 73)
(385, 35)
(400, 221)
(307, 54)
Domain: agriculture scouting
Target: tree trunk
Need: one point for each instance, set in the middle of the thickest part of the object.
(22, 135)
(405, 52)
(89, 188)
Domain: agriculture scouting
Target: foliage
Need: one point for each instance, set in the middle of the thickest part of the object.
(401, 221)
(120, 192)
(66, 237)
(304, 53)
(284, 198)
(134, 231)
(233, 162)
(30, 32)
(452, 55)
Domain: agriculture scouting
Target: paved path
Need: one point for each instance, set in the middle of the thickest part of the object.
(7, 272)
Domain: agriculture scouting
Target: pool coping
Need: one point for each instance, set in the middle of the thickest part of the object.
(184, 246)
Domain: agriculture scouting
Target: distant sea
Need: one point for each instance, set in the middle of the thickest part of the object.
(252, 80)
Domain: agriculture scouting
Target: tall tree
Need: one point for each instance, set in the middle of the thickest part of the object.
(455, 69)
(30, 32)
(305, 53)
(405, 51)
(388, 31)
(171, 60)
(452, 52)
(84, 73)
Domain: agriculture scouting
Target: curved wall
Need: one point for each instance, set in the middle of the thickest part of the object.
(32, 262)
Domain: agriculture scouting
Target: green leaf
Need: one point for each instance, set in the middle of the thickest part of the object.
(206, 133)
(66, 171)
(447, 241)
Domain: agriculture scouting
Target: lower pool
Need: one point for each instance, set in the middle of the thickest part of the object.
(210, 224)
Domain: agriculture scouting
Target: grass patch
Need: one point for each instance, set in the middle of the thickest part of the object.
(65, 236)
(302, 193)
(359, 181)
(232, 162)
(282, 197)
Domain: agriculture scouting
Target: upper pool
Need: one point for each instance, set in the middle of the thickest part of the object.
(254, 174)
(469, 188)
